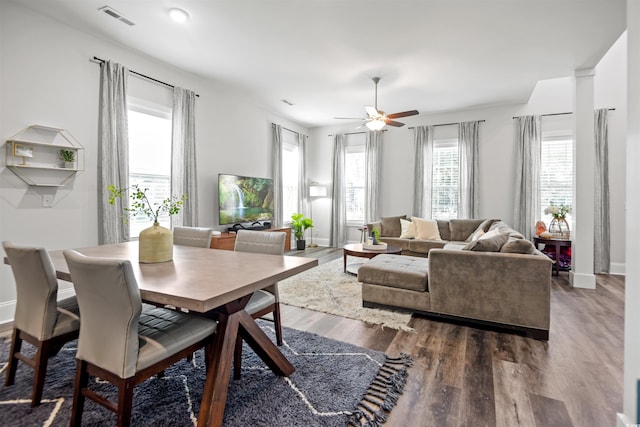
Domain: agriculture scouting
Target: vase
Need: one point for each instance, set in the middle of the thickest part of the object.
(155, 244)
(559, 228)
(70, 165)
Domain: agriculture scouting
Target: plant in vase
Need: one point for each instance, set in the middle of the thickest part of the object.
(559, 227)
(299, 223)
(155, 242)
(68, 157)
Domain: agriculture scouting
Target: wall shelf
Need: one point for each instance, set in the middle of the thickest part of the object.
(34, 156)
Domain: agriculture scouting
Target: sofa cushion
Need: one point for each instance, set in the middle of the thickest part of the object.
(408, 229)
(426, 229)
(476, 235)
(454, 246)
(396, 241)
(424, 246)
(463, 228)
(443, 229)
(390, 226)
(491, 244)
(397, 271)
(518, 246)
(482, 228)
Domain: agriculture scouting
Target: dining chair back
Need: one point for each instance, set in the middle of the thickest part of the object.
(192, 236)
(266, 300)
(40, 319)
(122, 341)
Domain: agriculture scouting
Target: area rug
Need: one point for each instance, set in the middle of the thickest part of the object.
(327, 288)
(335, 384)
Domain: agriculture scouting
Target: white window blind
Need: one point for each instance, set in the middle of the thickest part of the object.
(556, 173)
(445, 184)
(290, 172)
(354, 178)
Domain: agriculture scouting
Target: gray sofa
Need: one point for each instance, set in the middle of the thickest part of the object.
(501, 280)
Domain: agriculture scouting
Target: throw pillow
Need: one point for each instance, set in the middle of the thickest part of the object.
(390, 226)
(408, 229)
(492, 244)
(426, 229)
(518, 246)
(475, 236)
(490, 234)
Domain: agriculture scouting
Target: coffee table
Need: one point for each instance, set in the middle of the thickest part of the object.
(356, 249)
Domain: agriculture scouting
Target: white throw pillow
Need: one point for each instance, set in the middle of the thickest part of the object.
(489, 234)
(426, 229)
(408, 229)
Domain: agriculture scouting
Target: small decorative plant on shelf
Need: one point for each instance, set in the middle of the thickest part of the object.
(155, 242)
(559, 227)
(299, 223)
(68, 157)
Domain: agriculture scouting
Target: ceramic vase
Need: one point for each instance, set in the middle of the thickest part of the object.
(70, 165)
(559, 228)
(155, 244)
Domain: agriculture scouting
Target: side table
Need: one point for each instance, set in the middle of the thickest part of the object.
(558, 243)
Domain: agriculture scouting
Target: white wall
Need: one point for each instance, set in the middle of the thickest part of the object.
(46, 78)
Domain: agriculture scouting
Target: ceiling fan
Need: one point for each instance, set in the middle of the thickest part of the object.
(377, 119)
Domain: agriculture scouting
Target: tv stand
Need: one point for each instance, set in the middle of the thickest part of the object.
(227, 240)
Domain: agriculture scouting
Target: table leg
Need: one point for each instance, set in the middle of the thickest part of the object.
(345, 260)
(557, 259)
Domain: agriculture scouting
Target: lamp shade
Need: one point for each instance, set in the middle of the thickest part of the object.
(316, 190)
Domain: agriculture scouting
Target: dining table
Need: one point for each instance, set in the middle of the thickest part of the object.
(218, 284)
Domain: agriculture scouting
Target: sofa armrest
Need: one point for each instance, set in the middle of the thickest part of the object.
(512, 289)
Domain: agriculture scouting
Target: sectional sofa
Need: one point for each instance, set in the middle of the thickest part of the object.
(478, 270)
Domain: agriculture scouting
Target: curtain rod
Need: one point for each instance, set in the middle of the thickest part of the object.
(102, 61)
(290, 130)
(559, 114)
(447, 124)
(357, 133)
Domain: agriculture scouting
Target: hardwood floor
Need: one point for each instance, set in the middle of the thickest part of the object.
(463, 376)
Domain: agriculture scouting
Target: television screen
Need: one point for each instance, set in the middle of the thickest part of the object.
(244, 199)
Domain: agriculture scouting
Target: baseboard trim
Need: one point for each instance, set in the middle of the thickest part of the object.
(623, 421)
(617, 268)
(581, 280)
(8, 308)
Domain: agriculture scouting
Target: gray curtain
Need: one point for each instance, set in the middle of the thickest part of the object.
(303, 198)
(276, 171)
(183, 156)
(338, 236)
(602, 238)
(469, 170)
(113, 157)
(527, 197)
(373, 170)
(423, 171)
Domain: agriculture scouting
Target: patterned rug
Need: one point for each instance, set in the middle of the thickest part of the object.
(335, 384)
(327, 288)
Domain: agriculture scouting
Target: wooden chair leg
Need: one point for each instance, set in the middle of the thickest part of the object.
(16, 346)
(237, 358)
(277, 323)
(125, 402)
(81, 382)
(41, 358)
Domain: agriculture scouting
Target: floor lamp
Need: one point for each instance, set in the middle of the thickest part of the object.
(316, 191)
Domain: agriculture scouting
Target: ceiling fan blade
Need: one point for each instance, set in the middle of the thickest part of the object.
(371, 111)
(403, 114)
(394, 123)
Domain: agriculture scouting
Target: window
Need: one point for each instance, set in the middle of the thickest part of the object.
(149, 158)
(445, 188)
(290, 174)
(354, 178)
(556, 173)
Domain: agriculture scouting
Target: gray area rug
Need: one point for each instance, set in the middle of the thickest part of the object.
(327, 288)
(335, 384)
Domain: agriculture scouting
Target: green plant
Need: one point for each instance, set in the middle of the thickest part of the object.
(140, 203)
(68, 155)
(299, 224)
(376, 233)
(558, 212)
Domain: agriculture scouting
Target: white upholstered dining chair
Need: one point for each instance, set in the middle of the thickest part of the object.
(266, 300)
(40, 319)
(121, 342)
(192, 236)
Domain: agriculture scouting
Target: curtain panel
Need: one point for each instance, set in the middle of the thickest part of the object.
(113, 157)
(183, 156)
(527, 197)
(338, 236)
(602, 222)
(468, 202)
(373, 170)
(303, 197)
(276, 173)
(423, 171)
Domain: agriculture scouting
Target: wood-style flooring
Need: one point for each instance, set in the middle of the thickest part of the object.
(464, 376)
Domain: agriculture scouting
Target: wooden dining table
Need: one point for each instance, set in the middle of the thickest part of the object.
(218, 284)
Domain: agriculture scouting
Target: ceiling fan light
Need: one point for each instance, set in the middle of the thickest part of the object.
(178, 15)
(375, 124)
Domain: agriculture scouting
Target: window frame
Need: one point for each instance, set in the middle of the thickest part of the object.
(290, 142)
(550, 137)
(439, 144)
(355, 144)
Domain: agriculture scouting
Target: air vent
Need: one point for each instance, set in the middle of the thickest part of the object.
(286, 101)
(115, 14)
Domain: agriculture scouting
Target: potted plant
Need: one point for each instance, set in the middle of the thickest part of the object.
(299, 223)
(69, 158)
(155, 242)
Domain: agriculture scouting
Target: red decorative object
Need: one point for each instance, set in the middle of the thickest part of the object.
(541, 227)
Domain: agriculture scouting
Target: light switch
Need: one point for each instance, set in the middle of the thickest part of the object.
(47, 200)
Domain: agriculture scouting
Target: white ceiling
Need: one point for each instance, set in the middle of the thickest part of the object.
(432, 55)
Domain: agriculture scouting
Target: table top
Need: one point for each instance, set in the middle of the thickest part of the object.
(357, 248)
(198, 279)
(539, 239)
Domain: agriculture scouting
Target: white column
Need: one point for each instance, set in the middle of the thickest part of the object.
(581, 275)
(632, 248)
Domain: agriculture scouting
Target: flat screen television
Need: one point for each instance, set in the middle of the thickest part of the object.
(244, 199)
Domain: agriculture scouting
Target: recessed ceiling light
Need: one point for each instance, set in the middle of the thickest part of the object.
(178, 15)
